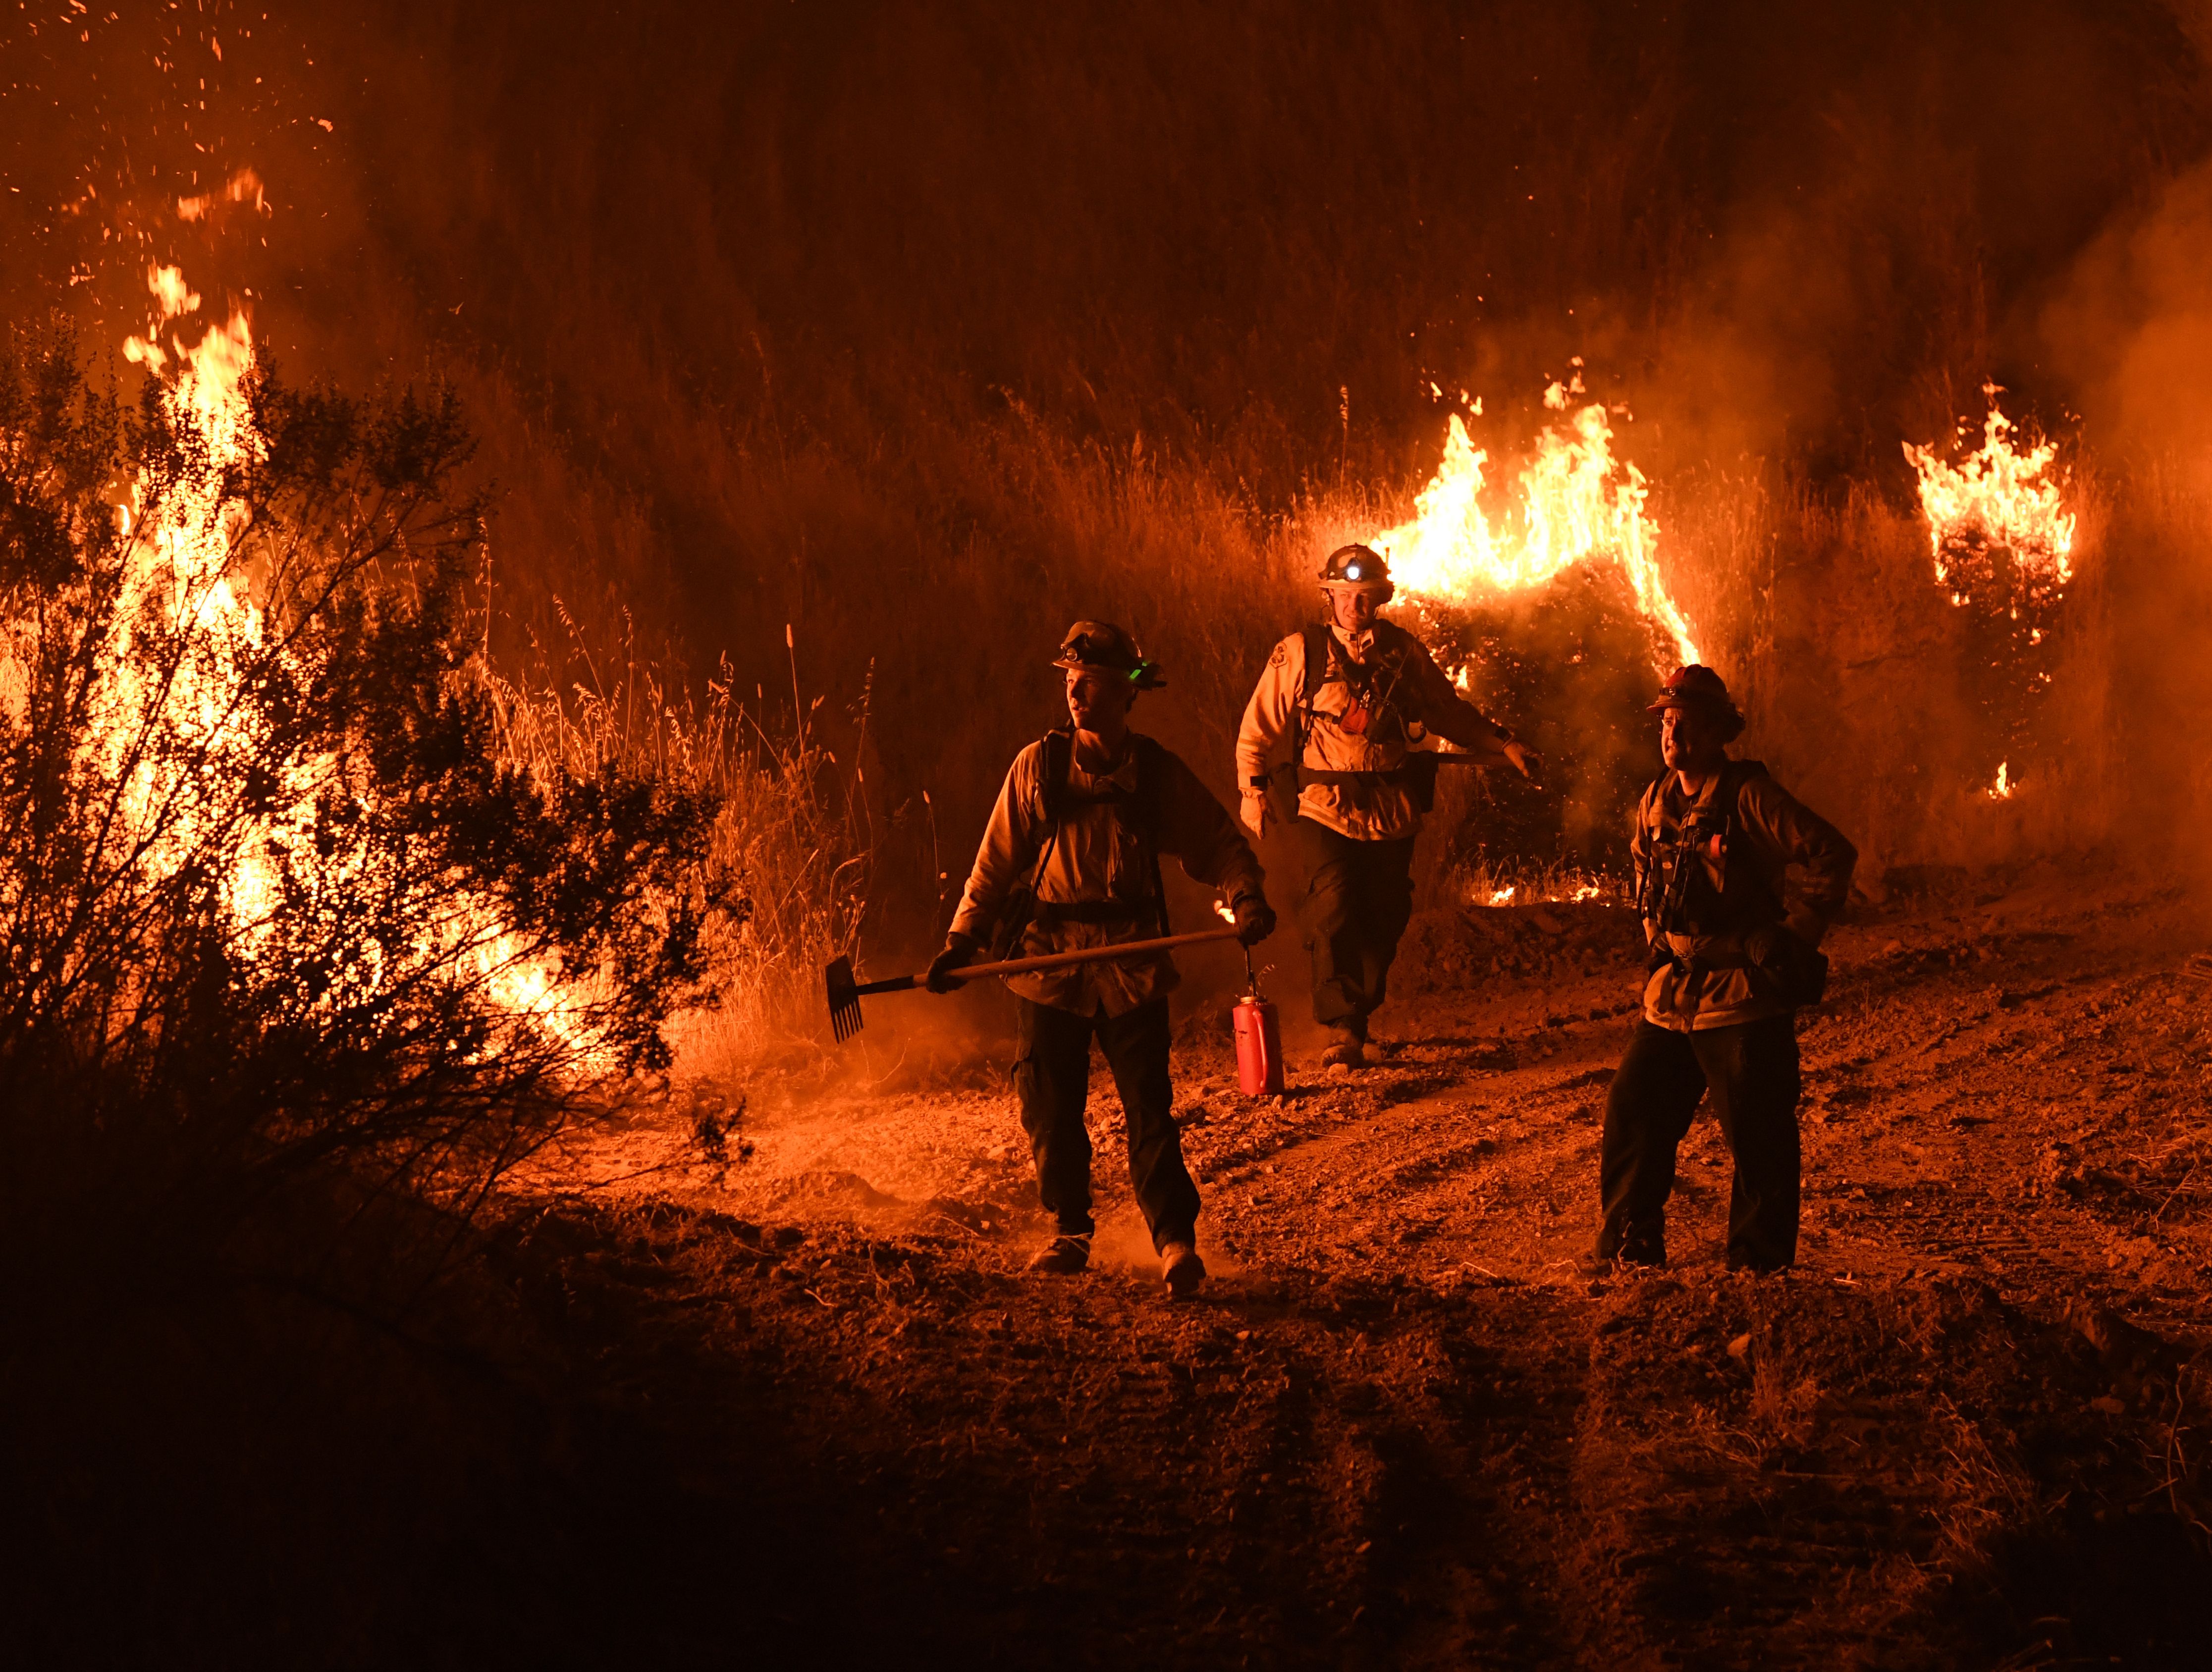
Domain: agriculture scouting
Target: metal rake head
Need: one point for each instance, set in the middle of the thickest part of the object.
(844, 1000)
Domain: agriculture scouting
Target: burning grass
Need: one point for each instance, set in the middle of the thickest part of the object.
(788, 847)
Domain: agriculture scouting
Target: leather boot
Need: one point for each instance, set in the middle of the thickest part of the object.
(1062, 1257)
(1182, 1269)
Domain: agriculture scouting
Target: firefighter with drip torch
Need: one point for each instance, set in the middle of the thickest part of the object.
(1355, 695)
(1070, 859)
(1732, 957)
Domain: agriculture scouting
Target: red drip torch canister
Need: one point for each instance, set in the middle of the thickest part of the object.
(1258, 1042)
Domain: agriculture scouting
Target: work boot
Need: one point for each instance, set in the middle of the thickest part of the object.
(1597, 1267)
(1345, 1047)
(1182, 1269)
(1063, 1256)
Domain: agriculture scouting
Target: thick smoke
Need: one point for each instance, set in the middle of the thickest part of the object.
(924, 331)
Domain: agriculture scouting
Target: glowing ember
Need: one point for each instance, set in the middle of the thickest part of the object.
(1998, 498)
(1501, 897)
(1576, 504)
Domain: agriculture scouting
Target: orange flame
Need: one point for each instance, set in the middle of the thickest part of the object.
(1998, 496)
(244, 186)
(184, 573)
(1578, 503)
(2002, 790)
(1551, 887)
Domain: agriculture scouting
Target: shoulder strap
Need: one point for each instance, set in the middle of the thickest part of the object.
(1767, 900)
(1059, 746)
(1734, 776)
(1058, 756)
(1390, 636)
(1145, 814)
(1151, 774)
(1314, 635)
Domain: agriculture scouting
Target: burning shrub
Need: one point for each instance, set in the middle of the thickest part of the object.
(275, 906)
(2002, 539)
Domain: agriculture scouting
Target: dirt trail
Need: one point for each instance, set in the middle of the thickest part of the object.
(1396, 1429)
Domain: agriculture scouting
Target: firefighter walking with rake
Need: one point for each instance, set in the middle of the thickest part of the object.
(1069, 865)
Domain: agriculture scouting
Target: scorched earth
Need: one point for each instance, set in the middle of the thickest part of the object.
(1396, 1429)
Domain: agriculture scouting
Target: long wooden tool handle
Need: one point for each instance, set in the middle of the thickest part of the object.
(1020, 966)
(1119, 949)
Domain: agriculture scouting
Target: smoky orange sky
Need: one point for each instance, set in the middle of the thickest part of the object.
(907, 325)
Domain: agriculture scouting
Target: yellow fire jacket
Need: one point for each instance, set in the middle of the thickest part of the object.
(1709, 985)
(1402, 686)
(1097, 858)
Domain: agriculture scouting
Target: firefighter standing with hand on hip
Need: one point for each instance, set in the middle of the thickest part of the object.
(1355, 695)
(1070, 859)
(1730, 961)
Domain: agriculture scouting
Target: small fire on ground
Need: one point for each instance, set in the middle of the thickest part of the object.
(1570, 891)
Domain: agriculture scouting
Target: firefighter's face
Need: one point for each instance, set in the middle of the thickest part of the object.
(1354, 608)
(1690, 738)
(1098, 703)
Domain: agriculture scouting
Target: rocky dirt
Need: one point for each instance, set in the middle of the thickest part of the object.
(1396, 1429)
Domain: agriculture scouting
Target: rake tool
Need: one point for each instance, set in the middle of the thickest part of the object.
(845, 993)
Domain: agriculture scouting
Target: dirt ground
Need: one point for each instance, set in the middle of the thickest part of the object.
(1396, 1429)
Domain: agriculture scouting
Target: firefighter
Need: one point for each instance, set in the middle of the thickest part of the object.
(1355, 695)
(1731, 959)
(1070, 860)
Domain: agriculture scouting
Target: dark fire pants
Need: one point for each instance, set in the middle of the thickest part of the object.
(1359, 898)
(1751, 1071)
(1052, 1076)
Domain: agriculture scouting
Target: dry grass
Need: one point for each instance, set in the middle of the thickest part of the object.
(791, 837)
(1821, 609)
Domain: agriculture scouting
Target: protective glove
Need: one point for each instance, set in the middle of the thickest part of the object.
(1767, 945)
(959, 950)
(1255, 919)
(1656, 956)
(1256, 813)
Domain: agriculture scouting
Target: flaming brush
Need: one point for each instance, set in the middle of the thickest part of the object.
(845, 993)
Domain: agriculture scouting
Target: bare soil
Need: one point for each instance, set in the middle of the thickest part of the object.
(1396, 1429)
(806, 1409)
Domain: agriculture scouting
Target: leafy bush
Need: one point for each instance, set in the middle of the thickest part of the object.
(275, 908)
